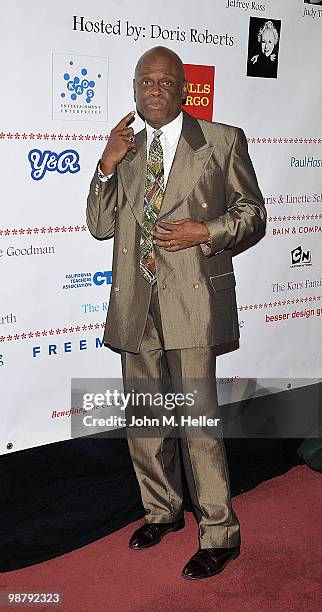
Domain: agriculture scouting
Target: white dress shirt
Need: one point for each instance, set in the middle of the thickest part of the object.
(169, 141)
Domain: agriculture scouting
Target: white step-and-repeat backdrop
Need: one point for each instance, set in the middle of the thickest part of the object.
(66, 74)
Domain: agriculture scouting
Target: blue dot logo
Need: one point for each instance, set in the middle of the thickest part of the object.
(79, 85)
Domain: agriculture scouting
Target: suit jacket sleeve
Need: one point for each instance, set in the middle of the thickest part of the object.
(246, 213)
(101, 205)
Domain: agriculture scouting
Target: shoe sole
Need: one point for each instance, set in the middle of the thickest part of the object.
(234, 556)
(158, 541)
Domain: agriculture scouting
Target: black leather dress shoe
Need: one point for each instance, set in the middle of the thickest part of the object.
(209, 562)
(150, 534)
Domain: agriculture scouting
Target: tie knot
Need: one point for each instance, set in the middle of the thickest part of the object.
(157, 133)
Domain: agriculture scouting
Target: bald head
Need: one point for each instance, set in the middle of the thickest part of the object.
(160, 52)
(159, 86)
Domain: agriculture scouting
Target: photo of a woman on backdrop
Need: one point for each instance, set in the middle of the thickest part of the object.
(263, 56)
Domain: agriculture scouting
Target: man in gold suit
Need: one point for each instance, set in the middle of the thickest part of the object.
(176, 197)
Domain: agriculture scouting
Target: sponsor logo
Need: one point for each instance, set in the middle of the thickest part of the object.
(308, 283)
(291, 198)
(305, 162)
(43, 161)
(87, 279)
(294, 314)
(55, 349)
(79, 87)
(302, 229)
(102, 278)
(12, 251)
(300, 258)
(200, 99)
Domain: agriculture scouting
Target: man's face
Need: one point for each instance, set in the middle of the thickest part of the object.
(159, 89)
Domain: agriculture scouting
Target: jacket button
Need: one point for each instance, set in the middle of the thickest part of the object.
(164, 286)
(196, 286)
(116, 288)
(204, 205)
(124, 250)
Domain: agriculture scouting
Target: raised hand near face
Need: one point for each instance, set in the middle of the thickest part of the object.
(120, 141)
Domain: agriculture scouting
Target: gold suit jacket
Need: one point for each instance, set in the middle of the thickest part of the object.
(211, 180)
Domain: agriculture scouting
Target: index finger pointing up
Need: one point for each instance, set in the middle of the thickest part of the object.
(124, 122)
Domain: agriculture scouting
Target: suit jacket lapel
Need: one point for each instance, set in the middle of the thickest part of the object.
(133, 172)
(191, 157)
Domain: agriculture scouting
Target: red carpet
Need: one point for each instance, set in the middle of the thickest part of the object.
(279, 569)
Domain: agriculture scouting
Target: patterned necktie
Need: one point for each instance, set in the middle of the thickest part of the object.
(153, 195)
